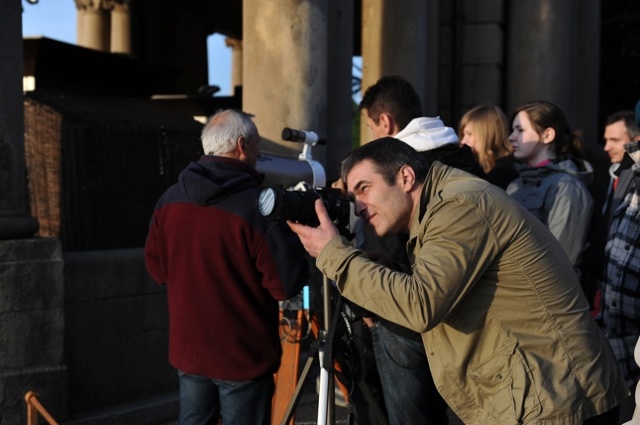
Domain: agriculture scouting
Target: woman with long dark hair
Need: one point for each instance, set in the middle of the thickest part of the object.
(553, 174)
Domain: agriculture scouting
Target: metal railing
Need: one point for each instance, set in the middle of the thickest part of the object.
(34, 408)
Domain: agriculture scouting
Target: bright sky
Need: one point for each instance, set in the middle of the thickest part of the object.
(56, 19)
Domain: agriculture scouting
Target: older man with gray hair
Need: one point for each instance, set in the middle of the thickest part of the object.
(225, 267)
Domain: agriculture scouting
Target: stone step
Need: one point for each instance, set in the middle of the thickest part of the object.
(158, 410)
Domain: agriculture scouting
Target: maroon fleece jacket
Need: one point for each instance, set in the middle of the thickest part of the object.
(225, 267)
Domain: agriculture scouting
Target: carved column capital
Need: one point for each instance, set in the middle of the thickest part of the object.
(91, 5)
(117, 5)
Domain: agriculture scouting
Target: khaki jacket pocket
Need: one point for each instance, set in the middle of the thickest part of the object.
(506, 384)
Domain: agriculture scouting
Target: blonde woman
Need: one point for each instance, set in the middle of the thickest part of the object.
(485, 130)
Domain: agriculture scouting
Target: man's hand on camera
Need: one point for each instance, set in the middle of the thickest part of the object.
(314, 239)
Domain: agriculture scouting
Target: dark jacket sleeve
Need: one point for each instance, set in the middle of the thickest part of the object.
(282, 262)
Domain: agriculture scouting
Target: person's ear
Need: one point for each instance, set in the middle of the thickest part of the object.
(240, 151)
(240, 144)
(388, 123)
(407, 178)
(548, 135)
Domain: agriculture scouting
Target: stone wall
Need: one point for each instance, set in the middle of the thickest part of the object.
(31, 327)
(116, 330)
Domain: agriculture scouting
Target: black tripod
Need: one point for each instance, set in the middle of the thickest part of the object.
(322, 349)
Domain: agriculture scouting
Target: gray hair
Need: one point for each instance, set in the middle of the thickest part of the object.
(223, 129)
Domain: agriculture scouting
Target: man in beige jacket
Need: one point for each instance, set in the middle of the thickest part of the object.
(502, 316)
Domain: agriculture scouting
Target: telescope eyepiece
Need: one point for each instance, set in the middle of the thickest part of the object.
(291, 135)
(302, 136)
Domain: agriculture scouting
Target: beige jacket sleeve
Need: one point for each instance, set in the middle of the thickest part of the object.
(451, 248)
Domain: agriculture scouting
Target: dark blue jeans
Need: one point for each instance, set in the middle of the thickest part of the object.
(203, 400)
(410, 395)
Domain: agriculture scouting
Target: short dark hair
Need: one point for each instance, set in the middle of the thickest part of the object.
(388, 155)
(629, 118)
(393, 95)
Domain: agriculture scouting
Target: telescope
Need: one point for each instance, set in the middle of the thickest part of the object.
(287, 172)
(289, 192)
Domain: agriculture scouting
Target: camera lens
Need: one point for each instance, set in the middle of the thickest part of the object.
(267, 201)
(279, 204)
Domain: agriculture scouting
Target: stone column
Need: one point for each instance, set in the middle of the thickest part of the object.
(482, 55)
(236, 62)
(432, 49)
(541, 54)
(339, 85)
(93, 25)
(285, 69)
(588, 75)
(31, 297)
(120, 27)
(394, 40)
(15, 222)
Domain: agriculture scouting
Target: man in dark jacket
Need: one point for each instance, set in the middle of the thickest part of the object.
(620, 315)
(225, 267)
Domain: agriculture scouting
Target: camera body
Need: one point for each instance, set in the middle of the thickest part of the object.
(297, 204)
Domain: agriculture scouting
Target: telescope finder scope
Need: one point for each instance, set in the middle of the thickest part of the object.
(302, 136)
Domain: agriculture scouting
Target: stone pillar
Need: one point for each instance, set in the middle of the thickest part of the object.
(31, 298)
(432, 54)
(285, 70)
(339, 85)
(236, 62)
(394, 40)
(120, 27)
(482, 60)
(15, 222)
(541, 55)
(93, 25)
(588, 77)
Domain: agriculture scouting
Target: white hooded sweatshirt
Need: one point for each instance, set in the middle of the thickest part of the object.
(426, 133)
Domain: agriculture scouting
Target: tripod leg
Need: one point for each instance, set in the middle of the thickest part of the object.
(323, 399)
(382, 420)
(331, 408)
(328, 314)
(288, 414)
